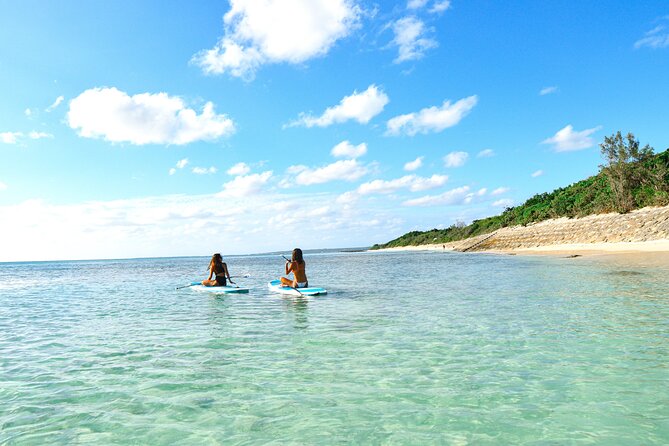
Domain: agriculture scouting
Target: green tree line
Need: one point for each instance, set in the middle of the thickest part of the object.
(631, 177)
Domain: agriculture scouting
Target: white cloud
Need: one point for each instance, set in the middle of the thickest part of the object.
(657, 37)
(503, 203)
(239, 169)
(537, 173)
(548, 90)
(499, 191)
(180, 165)
(285, 205)
(10, 137)
(27, 112)
(440, 6)
(432, 119)
(347, 170)
(296, 169)
(412, 182)
(39, 135)
(487, 153)
(229, 56)
(320, 212)
(410, 39)
(416, 4)
(448, 198)
(385, 187)
(188, 225)
(144, 118)
(204, 170)
(348, 150)
(567, 140)
(246, 185)
(456, 159)
(55, 104)
(347, 198)
(361, 107)
(415, 164)
(3, 186)
(437, 7)
(434, 181)
(16, 137)
(274, 31)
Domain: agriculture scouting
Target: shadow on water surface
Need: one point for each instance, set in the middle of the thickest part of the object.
(624, 273)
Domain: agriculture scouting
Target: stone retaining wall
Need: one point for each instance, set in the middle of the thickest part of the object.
(647, 224)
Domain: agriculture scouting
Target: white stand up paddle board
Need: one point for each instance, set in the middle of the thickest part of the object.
(219, 289)
(276, 287)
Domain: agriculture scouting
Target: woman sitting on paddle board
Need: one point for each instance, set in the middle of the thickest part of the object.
(297, 266)
(218, 269)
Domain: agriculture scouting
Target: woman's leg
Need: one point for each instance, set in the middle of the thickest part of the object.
(286, 282)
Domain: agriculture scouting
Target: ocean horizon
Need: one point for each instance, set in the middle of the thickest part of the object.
(286, 252)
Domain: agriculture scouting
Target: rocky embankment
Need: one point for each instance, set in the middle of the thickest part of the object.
(643, 225)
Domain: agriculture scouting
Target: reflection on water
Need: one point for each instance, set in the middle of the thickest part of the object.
(297, 308)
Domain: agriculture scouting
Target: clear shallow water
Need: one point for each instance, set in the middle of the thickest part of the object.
(408, 348)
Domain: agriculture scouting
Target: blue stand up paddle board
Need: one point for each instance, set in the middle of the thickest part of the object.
(276, 287)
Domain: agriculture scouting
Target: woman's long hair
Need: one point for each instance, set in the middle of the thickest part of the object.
(297, 256)
(216, 262)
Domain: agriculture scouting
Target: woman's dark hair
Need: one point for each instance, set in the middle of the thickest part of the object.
(297, 256)
(216, 262)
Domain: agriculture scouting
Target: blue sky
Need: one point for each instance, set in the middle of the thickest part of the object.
(146, 128)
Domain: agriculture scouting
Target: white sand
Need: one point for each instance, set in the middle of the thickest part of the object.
(619, 247)
(562, 249)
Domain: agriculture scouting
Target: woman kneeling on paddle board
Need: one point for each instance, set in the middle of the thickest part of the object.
(218, 269)
(297, 266)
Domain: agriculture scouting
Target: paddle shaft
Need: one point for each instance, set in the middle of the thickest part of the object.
(186, 286)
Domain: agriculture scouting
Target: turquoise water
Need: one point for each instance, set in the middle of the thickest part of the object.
(407, 348)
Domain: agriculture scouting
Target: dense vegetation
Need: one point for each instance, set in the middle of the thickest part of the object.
(631, 178)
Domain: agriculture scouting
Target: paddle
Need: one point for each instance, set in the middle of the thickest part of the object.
(243, 276)
(186, 286)
(284, 257)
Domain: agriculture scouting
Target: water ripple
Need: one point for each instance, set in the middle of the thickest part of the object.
(463, 349)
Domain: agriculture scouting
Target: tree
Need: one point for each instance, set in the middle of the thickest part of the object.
(625, 168)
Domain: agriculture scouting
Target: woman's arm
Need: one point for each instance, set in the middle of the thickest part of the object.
(226, 272)
(290, 266)
(211, 273)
